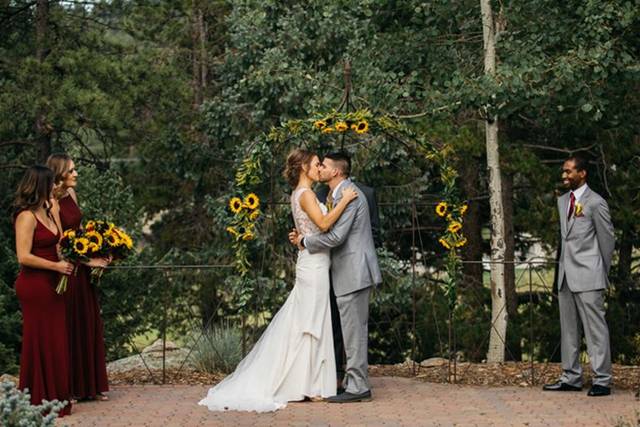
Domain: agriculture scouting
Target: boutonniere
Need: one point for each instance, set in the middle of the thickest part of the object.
(579, 210)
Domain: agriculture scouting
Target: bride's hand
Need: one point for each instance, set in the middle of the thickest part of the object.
(349, 193)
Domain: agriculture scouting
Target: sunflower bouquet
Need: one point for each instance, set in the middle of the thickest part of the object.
(97, 239)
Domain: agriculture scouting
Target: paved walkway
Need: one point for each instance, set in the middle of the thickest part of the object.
(397, 402)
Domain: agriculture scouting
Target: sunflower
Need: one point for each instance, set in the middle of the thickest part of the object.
(320, 124)
(128, 242)
(70, 234)
(460, 243)
(444, 243)
(361, 127)
(124, 238)
(463, 209)
(454, 226)
(327, 130)
(235, 204)
(248, 235)
(252, 201)
(441, 209)
(233, 231)
(254, 215)
(95, 238)
(112, 238)
(81, 245)
(91, 225)
(341, 126)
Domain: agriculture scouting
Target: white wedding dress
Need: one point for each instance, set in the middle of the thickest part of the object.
(294, 357)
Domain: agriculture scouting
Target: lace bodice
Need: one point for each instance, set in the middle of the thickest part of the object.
(304, 225)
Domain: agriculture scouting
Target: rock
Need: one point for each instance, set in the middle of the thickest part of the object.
(434, 362)
(10, 378)
(152, 360)
(157, 347)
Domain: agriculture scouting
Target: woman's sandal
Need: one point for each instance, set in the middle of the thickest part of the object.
(102, 397)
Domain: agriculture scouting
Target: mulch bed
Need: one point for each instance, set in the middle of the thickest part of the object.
(485, 374)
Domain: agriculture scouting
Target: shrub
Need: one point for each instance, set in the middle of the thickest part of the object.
(17, 410)
(219, 349)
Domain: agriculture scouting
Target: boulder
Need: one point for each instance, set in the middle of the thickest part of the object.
(156, 347)
(434, 362)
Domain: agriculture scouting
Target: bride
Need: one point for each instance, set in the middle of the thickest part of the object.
(294, 358)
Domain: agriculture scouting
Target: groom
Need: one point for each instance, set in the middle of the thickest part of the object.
(585, 259)
(354, 270)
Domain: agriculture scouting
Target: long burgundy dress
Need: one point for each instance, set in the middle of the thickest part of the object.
(84, 324)
(44, 360)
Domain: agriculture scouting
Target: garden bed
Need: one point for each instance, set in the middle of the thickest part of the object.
(495, 374)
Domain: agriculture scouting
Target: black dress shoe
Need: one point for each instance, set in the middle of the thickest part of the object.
(560, 386)
(340, 390)
(347, 397)
(599, 390)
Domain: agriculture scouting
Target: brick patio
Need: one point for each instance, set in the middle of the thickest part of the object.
(397, 402)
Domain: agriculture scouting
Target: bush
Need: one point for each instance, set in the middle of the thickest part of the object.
(17, 410)
(219, 349)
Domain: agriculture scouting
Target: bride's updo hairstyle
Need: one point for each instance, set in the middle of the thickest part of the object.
(296, 160)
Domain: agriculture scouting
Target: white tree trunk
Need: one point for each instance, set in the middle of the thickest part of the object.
(499, 317)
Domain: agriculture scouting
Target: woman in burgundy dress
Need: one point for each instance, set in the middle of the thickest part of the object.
(44, 360)
(84, 324)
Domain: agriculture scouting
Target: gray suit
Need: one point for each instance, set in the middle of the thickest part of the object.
(354, 270)
(585, 258)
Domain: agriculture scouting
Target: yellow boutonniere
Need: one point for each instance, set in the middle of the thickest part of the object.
(579, 210)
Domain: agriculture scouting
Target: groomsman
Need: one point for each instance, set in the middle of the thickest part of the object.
(585, 259)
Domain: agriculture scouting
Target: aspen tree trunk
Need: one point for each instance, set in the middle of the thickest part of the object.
(499, 315)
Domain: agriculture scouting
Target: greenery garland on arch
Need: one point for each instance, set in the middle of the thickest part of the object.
(245, 214)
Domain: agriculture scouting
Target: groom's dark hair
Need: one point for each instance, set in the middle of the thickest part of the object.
(342, 161)
(581, 163)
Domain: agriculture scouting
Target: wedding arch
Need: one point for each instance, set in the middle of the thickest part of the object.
(347, 128)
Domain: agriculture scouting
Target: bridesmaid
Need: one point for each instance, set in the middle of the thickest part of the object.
(44, 360)
(84, 324)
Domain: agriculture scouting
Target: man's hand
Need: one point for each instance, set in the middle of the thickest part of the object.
(293, 237)
(296, 238)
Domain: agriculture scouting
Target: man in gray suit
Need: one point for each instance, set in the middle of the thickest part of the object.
(354, 270)
(587, 248)
(338, 344)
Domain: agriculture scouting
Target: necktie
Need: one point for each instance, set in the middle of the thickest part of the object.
(330, 201)
(572, 205)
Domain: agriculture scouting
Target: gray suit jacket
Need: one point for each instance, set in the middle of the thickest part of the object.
(587, 243)
(354, 263)
(372, 201)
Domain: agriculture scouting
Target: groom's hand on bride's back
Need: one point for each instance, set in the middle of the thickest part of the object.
(293, 237)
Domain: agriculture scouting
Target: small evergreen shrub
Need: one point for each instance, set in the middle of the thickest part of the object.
(16, 409)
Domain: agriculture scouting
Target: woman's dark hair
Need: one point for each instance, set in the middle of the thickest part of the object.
(295, 164)
(34, 190)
